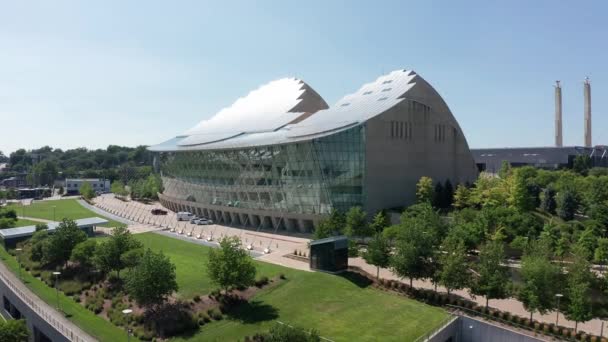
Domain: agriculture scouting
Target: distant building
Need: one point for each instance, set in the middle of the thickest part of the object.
(490, 159)
(35, 193)
(72, 185)
(13, 182)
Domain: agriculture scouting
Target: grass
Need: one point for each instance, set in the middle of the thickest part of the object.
(65, 208)
(339, 308)
(85, 319)
(24, 222)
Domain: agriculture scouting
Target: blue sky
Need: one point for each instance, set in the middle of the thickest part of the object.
(84, 73)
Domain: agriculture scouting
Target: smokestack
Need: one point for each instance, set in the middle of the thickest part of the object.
(587, 95)
(558, 115)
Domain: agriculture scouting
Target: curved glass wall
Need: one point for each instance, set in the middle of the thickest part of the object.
(309, 177)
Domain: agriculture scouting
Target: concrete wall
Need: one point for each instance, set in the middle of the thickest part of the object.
(436, 148)
(466, 329)
(36, 324)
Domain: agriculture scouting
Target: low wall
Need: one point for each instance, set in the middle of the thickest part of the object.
(468, 329)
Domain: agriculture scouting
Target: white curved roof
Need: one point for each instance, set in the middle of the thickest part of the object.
(263, 117)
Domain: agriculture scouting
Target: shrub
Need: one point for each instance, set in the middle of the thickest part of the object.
(215, 314)
(76, 298)
(201, 321)
(197, 298)
(282, 276)
(261, 282)
(70, 287)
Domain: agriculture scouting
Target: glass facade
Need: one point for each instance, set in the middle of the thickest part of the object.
(309, 177)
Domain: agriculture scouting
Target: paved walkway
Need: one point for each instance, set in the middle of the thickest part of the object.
(510, 305)
(56, 319)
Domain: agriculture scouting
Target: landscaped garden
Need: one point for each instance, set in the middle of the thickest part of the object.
(340, 308)
(58, 210)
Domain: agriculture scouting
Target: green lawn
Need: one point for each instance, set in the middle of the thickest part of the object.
(85, 319)
(23, 223)
(337, 307)
(65, 208)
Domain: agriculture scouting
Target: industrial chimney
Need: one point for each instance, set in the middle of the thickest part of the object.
(587, 95)
(558, 115)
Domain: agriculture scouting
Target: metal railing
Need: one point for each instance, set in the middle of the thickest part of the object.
(47, 315)
(444, 323)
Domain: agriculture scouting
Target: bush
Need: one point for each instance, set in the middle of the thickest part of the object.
(215, 314)
(76, 298)
(70, 287)
(282, 276)
(261, 282)
(197, 298)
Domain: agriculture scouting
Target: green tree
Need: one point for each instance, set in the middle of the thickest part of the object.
(41, 226)
(521, 197)
(108, 255)
(378, 253)
(448, 194)
(132, 258)
(581, 164)
(578, 290)
(540, 283)
(14, 331)
(118, 188)
(567, 204)
(379, 222)
(424, 190)
(438, 196)
(230, 265)
(86, 190)
(331, 226)
(491, 276)
(600, 254)
(505, 169)
(453, 266)
(62, 242)
(152, 280)
(547, 201)
(84, 252)
(587, 242)
(356, 223)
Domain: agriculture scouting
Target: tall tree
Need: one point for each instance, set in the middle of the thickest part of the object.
(578, 290)
(230, 265)
(600, 254)
(152, 280)
(86, 190)
(62, 242)
(505, 169)
(356, 223)
(424, 190)
(438, 196)
(448, 194)
(379, 222)
(108, 254)
(461, 197)
(453, 266)
(84, 252)
(567, 204)
(492, 276)
(540, 282)
(547, 201)
(378, 253)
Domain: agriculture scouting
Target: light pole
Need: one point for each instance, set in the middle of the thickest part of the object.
(56, 274)
(127, 312)
(18, 250)
(558, 296)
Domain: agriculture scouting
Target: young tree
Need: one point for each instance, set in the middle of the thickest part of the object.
(331, 226)
(118, 188)
(414, 247)
(132, 258)
(453, 266)
(600, 254)
(83, 253)
(492, 277)
(461, 197)
(230, 265)
(505, 169)
(448, 194)
(356, 223)
(424, 190)
(379, 222)
(547, 201)
(378, 253)
(438, 196)
(152, 280)
(578, 290)
(108, 253)
(540, 283)
(86, 190)
(14, 330)
(581, 164)
(62, 242)
(567, 204)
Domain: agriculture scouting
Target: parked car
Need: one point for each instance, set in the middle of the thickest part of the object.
(185, 216)
(158, 212)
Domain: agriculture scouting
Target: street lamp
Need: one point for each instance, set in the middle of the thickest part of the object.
(558, 296)
(18, 250)
(127, 312)
(56, 274)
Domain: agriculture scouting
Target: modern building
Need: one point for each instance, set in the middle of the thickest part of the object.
(280, 158)
(490, 159)
(330, 254)
(72, 185)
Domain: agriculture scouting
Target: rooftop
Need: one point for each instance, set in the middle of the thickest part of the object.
(10, 233)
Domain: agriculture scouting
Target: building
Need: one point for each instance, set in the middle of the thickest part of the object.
(13, 182)
(9, 237)
(35, 193)
(72, 185)
(280, 158)
(490, 159)
(330, 254)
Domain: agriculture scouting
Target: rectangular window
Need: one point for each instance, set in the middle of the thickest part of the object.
(386, 89)
(387, 82)
(382, 98)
